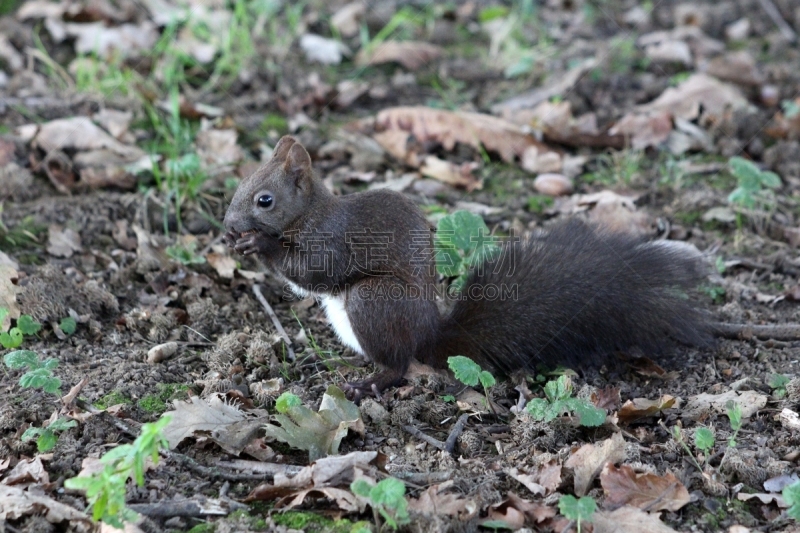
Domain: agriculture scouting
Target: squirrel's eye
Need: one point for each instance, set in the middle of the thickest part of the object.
(265, 200)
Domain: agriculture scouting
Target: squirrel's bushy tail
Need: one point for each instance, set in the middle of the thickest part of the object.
(573, 297)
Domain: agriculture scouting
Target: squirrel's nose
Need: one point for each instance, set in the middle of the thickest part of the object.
(232, 220)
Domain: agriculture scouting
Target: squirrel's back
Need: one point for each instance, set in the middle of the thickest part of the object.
(573, 297)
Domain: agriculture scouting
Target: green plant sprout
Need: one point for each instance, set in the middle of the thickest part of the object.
(46, 437)
(462, 241)
(105, 490)
(704, 439)
(470, 374)
(558, 400)
(68, 325)
(185, 254)
(13, 338)
(791, 495)
(388, 497)
(677, 434)
(734, 412)
(39, 374)
(753, 184)
(778, 382)
(578, 509)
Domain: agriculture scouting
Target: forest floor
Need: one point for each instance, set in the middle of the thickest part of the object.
(126, 126)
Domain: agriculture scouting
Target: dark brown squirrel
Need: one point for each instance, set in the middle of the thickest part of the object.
(576, 294)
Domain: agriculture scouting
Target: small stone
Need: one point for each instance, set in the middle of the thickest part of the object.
(553, 184)
(739, 30)
(158, 353)
(770, 95)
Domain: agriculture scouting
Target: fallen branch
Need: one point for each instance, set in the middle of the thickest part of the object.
(778, 332)
(275, 321)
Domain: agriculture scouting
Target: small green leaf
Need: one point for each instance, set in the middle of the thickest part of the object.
(537, 408)
(448, 261)
(388, 492)
(62, 423)
(11, 339)
(28, 325)
(791, 495)
(360, 488)
(50, 364)
(3, 314)
(487, 380)
(771, 180)
(704, 439)
(734, 412)
(46, 441)
(287, 400)
(31, 433)
(777, 381)
(590, 416)
(573, 508)
(68, 325)
(449, 398)
(22, 358)
(465, 369)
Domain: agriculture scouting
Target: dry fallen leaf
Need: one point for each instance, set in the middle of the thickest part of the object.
(438, 500)
(590, 459)
(8, 294)
(392, 128)
(225, 265)
(642, 407)
(764, 498)
(515, 510)
(649, 492)
(750, 401)
(452, 174)
(412, 55)
(27, 472)
(62, 242)
(80, 133)
(16, 503)
(628, 519)
(199, 414)
(218, 147)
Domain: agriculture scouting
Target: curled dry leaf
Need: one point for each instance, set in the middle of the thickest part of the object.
(16, 503)
(764, 498)
(27, 472)
(392, 128)
(650, 492)
(218, 147)
(225, 265)
(590, 459)
(412, 55)
(439, 500)
(642, 407)
(515, 510)
(452, 174)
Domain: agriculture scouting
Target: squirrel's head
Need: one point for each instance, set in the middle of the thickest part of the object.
(276, 194)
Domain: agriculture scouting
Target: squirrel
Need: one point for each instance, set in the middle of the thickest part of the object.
(577, 293)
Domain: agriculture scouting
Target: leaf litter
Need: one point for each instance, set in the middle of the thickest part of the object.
(435, 114)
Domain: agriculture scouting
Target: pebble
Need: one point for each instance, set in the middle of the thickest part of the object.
(553, 184)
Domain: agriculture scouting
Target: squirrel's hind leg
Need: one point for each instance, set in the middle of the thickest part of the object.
(393, 321)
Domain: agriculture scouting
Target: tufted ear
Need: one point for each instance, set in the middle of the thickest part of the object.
(283, 146)
(298, 166)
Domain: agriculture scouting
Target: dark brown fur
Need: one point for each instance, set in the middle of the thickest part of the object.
(580, 294)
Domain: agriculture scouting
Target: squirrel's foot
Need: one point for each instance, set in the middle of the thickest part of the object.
(249, 243)
(356, 390)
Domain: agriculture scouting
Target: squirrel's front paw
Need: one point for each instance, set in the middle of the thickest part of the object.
(251, 243)
(230, 238)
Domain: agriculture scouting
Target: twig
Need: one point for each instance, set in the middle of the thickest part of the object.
(458, 428)
(209, 472)
(779, 332)
(436, 443)
(259, 467)
(116, 422)
(201, 506)
(777, 18)
(275, 321)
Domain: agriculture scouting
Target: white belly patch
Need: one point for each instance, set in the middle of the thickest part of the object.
(340, 322)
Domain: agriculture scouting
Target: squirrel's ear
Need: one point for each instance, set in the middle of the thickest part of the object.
(283, 146)
(298, 165)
